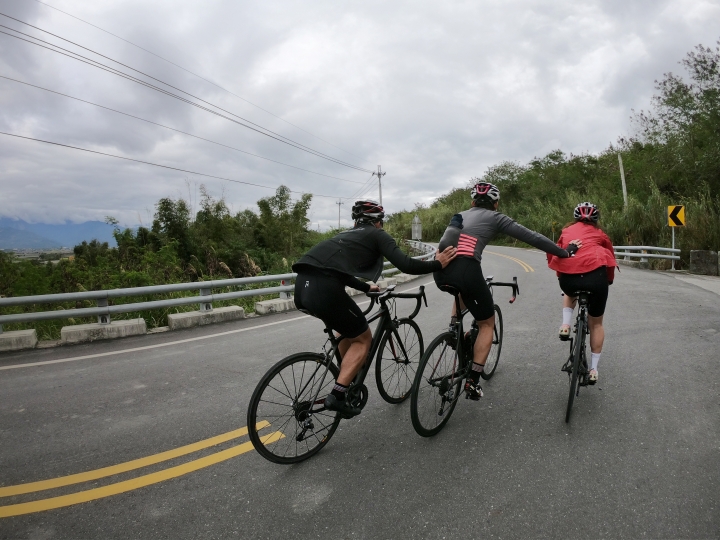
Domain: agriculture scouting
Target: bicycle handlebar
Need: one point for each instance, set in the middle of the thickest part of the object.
(389, 293)
(514, 286)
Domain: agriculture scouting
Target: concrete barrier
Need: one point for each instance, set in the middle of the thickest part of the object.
(277, 305)
(18, 340)
(176, 321)
(704, 262)
(92, 332)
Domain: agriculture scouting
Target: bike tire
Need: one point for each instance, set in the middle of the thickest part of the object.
(579, 345)
(437, 386)
(396, 365)
(494, 356)
(282, 398)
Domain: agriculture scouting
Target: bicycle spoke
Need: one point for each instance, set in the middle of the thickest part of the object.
(295, 418)
(400, 352)
(281, 392)
(436, 388)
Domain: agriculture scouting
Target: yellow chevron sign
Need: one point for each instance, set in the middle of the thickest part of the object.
(676, 216)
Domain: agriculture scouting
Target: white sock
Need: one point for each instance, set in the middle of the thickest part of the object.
(594, 359)
(567, 315)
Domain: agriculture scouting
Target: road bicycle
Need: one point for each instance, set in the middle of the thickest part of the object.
(576, 365)
(447, 363)
(291, 395)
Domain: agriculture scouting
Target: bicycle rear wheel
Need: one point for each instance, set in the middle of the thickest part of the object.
(398, 356)
(436, 388)
(496, 347)
(579, 346)
(290, 397)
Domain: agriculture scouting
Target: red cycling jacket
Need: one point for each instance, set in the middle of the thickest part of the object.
(596, 251)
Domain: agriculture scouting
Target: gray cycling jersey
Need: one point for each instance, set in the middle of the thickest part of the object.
(481, 225)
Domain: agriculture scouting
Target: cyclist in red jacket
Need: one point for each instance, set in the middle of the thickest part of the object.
(591, 269)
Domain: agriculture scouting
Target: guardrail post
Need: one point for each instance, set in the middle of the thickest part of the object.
(643, 259)
(0, 328)
(206, 306)
(105, 318)
(284, 295)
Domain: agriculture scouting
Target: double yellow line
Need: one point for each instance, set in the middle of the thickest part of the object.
(525, 265)
(134, 483)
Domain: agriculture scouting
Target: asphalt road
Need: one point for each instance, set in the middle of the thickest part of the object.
(640, 458)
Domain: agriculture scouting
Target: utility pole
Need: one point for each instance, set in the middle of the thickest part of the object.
(622, 177)
(379, 174)
(339, 203)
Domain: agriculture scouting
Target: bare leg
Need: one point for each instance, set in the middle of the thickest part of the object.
(354, 352)
(597, 333)
(569, 301)
(484, 340)
(454, 308)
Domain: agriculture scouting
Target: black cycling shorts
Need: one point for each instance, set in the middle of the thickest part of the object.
(465, 274)
(322, 295)
(595, 282)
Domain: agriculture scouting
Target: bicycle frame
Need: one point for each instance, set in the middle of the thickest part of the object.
(460, 370)
(581, 328)
(357, 392)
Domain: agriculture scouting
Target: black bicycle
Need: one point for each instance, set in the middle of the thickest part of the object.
(290, 398)
(447, 363)
(576, 365)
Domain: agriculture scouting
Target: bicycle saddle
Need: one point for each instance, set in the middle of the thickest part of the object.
(580, 293)
(449, 289)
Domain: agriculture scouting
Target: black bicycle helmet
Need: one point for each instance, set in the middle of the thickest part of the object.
(367, 211)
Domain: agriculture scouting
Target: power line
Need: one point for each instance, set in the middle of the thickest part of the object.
(363, 189)
(158, 165)
(176, 130)
(114, 70)
(95, 63)
(196, 75)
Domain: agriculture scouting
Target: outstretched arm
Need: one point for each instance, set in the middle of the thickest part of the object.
(408, 265)
(535, 239)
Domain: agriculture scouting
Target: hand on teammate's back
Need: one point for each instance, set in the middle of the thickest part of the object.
(446, 256)
(573, 246)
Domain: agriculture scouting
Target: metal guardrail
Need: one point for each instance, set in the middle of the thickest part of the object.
(641, 252)
(205, 299)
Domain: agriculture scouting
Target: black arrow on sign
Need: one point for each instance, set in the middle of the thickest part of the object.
(674, 216)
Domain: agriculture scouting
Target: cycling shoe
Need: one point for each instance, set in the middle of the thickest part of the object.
(343, 407)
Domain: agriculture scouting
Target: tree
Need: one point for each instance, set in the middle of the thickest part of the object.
(684, 123)
(282, 224)
(172, 223)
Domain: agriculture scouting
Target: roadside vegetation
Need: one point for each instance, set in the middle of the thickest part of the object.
(674, 158)
(179, 247)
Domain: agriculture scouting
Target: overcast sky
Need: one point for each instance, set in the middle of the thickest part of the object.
(435, 92)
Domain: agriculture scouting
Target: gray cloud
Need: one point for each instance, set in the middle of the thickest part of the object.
(434, 92)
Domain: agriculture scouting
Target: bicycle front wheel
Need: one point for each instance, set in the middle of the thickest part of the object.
(288, 406)
(397, 360)
(436, 388)
(579, 345)
(496, 347)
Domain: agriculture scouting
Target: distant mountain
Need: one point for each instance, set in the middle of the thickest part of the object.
(17, 239)
(60, 234)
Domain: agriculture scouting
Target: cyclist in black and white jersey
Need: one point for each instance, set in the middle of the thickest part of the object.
(325, 270)
(470, 231)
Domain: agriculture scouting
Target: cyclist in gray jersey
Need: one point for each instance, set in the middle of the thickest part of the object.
(470, 231)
